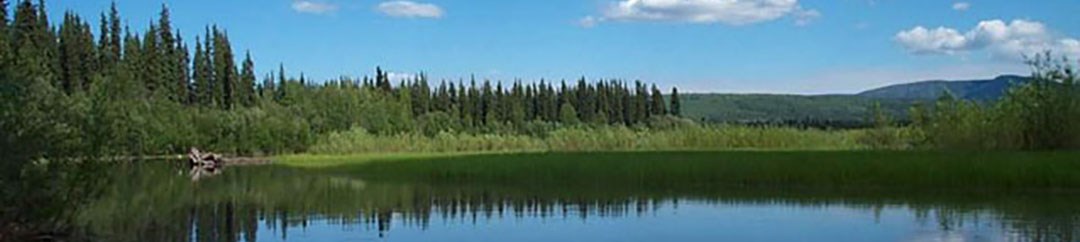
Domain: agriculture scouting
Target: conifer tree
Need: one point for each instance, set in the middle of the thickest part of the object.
(630, 104)
(225, 75)
(131, 66)
(76, 54)
(267, 89)
(204, 77)
(676, 104)
(245, 90)
(517, 105)
(455, 101)
(641, 103)
(5, 41)
(172, 58)
(657, 99)
(49, 47)
(487, 101)
(182, 77)
(152, 63)
(382, 80)
(279, 94)
(31, 60)
(109, 45)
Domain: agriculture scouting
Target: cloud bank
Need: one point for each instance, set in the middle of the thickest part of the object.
(729, 12)
(1012, 40)
(961, 6)
(409, 9)
(313, 7)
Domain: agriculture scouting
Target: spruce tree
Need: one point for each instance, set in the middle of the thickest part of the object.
(204, 77)
(152, 63)
(172, 61)
(676, 104)
(627, 92)
(76, 54)
(487, 101)
(657, 99)
(603, 104)
(279, 94)
(132, 64)
(109, 45)
(5, 41)
(442, 98)
(225, 74)
(382, 80)
(476, 104)
(454, 105)
(46, 36)
(267, 89)
(465, 104)
(245, 89)
(182, 80)
(31, 61)
(641, 102)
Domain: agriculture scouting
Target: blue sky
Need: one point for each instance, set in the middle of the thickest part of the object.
(740, 46)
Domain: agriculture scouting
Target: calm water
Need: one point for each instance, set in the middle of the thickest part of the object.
(269, 203)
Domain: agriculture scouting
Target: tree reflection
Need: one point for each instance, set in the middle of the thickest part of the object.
(156, 204)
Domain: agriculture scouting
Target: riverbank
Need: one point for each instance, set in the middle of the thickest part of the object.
(911, 170)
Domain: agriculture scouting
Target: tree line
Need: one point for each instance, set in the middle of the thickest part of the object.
(123, 92)
(484, 104)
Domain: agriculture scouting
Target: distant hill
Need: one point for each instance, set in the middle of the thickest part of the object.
(764, 107)
(895, 99)
(980, 90)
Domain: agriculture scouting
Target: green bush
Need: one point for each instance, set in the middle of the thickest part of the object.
(1039, 115)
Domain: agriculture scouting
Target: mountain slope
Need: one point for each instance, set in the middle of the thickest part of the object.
(979, 90)
(895, 100)
(765, 107)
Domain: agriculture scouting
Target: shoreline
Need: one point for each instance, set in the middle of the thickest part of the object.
(899, 170)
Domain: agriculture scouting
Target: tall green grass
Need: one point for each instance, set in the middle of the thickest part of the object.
(604, 138)
(918, 170)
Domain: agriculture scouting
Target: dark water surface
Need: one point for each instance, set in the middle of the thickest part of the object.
(157, 202)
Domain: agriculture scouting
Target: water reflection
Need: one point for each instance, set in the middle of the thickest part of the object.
(155, 203)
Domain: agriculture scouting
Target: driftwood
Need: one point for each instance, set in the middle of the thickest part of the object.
(204, 165)
(207, 164)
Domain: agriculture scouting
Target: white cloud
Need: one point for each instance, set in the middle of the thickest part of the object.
(400, 76)
(941, 40)
(588, 22)
(730, 12)
(313, 7)
(1070, 47)
(806, 17)
(1011, 40)
(961, 6)
(409, 9)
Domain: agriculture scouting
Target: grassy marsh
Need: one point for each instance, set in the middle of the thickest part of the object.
(916, 170)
